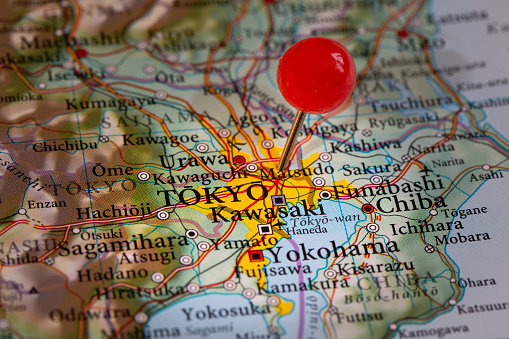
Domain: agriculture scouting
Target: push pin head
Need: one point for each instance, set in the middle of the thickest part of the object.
(316, 75)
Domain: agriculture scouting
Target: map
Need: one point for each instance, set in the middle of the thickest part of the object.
(139, 190)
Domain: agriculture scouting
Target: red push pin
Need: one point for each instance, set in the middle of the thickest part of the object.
(316, 75)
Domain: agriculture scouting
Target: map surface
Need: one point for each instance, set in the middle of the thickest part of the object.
(139, 195)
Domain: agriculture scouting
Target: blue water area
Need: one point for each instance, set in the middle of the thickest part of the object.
(296, 260)
(212, 316)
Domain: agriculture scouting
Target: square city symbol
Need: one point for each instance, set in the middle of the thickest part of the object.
(264, 229)
(278, 200)
(255, 256)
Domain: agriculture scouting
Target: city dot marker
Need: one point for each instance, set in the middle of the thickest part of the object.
(224, 132)
(249, 293)
(163, 215)
(360, 100)
(368, 208)
(143, 176)
(273, 301)
(372, 227)
(203, 246)
(325, 195)
(140, 318)
(157, 277)
(4, 324)
(316, 75)
(81, 53)
(267, 144)
(325, 157)
(191, 234)
(239, 160)
(68, 64)
(171, 57)
(185, 259)
(111, 68)
(259, 54)
(230, 285)
(252, 167)
(403, 33)
(141, 45)
(318, 181)
(149, 69)
(201, 147)
(330, 274)
(160, 94)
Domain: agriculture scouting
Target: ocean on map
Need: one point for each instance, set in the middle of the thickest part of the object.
(210, 315)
